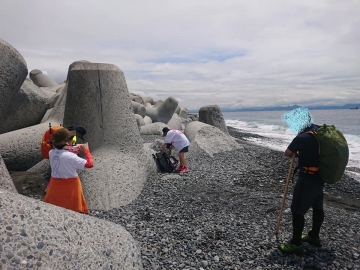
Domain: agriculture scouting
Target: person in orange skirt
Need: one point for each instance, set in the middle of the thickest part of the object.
(65, 189)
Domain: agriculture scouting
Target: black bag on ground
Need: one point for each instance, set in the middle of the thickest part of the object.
(165, 162)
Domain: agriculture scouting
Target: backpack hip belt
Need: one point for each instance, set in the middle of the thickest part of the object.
(309, 170)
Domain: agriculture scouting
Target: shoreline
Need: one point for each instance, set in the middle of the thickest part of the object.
(222, 215)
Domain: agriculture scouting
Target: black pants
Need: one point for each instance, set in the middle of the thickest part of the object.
(308, 193)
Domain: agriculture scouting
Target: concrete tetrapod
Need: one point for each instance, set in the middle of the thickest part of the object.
(5, 179)
(20, 148)
(209, 138)
(162, 111)
(42, 80)
(39, 235)
(29, 105)
(98, 98)
(213, 116)
(13, 71)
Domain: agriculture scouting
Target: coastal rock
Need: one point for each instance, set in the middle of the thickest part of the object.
(138, 108)
(147, 120)
(28, 108)
(175, 122)
(213, 116)
(6, 181)
(162, 111)
(152, 129)
(20, 154)
(42, 80)
(209, 138)
(139, 121)
(122, 167)
(183, 113)
(13, 71)
(42, 235)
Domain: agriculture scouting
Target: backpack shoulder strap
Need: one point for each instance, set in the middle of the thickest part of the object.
(314, 132)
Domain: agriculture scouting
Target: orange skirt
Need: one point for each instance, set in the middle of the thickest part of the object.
(67, 193)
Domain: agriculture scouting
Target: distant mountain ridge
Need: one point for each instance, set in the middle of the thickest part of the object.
(287, 108)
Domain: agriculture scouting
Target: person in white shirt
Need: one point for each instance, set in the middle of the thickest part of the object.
(175, 138)
(65, 189)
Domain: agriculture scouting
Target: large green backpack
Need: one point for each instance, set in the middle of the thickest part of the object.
(334, 153)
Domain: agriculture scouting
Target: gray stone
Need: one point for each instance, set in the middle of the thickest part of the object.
(104, 108)
(162, 112)
(62, 238)
(213, 116)
(209, 138)
(147, 120)
(175, 122)
(20, 154)
(139, 121)
(42, 80)
(183, 113)
(148, 100)
(29, 105)
(178, 109)
(138, 108)
(13, 71)
(137, 98)
(152, 129)
(6, 182)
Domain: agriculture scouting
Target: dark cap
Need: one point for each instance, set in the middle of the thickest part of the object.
(80, 131)
(165, 130)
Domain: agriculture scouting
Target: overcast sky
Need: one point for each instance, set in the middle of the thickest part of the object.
(232, 53)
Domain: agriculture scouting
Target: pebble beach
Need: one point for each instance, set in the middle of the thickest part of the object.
(222, 214)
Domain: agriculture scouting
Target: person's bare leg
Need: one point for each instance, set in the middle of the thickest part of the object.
(182, 159)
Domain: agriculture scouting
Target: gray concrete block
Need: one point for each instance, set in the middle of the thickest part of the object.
(43, 236)
(42, 80)
(147, 120)
(139, 120)
(213, 116)
(148, 100)
(183, 113)
(175, 122)
(20, 148)
(13, 71)
(137, 98)
(162, 111)
(138, 108)
(29, 105)
(209, 138)
(6, 182)
(152, 129)
(98, 98)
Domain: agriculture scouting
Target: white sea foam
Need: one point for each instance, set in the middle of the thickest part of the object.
(279, 137)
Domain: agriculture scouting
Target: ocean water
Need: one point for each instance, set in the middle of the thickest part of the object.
(269, 125)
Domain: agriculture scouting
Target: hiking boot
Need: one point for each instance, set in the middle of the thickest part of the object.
(311, 240)
(184, 170)
(290, 248)
(178, 169)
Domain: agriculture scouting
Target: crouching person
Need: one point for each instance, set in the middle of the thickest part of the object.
(65, 189)
(177, 139)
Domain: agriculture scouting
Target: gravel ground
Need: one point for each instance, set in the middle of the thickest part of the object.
(223, 213)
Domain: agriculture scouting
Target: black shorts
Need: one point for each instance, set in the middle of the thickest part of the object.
(308, 193)
(184, 150)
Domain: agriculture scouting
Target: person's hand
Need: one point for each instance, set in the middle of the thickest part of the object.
(84, 146)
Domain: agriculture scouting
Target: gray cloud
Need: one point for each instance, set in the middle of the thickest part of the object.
(231, 53)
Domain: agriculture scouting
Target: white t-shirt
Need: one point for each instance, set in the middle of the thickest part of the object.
(64, 163)
(177, 139)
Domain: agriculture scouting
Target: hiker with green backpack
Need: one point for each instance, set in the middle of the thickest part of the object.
(322, 154)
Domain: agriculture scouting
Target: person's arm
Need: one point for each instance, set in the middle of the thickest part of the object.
(89, 160)
(162, 147)
(288, 153)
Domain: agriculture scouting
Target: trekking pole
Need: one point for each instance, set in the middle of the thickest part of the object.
(284, 197)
